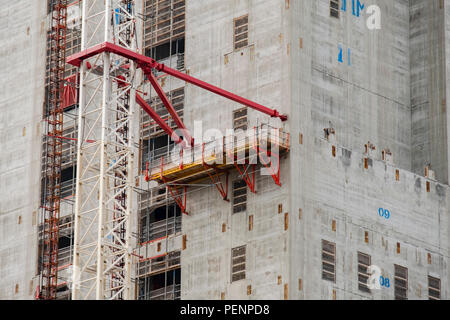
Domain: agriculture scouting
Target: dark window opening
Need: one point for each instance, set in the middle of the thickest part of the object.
(42, 191)
(69, 147)
(363, 275)
(71, 107)
(239, 196)
(63, 292)
(164, 51)
(68, 177)
(328, 261)
(65, 242)
(240, 120)
(334, 8)
(62, 288)
(401, 283)
(160, 222)
(238, 259)
(67, 174)
(434, 288)
(240, 38)
(162, 286)
(156, 147)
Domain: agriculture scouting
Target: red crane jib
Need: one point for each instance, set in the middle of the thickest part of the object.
(147, 64)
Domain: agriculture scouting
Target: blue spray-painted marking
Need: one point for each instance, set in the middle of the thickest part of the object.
(340, 55)
(357, 7)
(384, 213)
(384, 282)
(117, 16)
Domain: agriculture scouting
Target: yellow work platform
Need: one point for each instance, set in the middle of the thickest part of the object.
(201, 161)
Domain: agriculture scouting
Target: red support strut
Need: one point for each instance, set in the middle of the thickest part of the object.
(157, 119)
(269, 165)
(215, 178)
(147, 64)
(226, 94)
(165, 100)
(179, 198)
(275, 172)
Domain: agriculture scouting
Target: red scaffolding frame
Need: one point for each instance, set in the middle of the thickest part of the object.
(52, 166)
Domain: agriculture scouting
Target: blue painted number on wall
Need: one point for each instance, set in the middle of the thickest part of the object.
(384, 213)
(384, 282)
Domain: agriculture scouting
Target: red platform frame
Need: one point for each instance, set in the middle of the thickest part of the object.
(147, 65)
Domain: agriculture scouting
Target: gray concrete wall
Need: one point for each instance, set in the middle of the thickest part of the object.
(428, 87)
(365, 97)
(23, 38)
(341, 189)
(447, 81)
(368, 100)
(259, 72)
(392, 94)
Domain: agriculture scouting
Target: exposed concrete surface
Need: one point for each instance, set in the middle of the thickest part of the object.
(392, 93)
(23, 38)
(428, 83)
(368, 100)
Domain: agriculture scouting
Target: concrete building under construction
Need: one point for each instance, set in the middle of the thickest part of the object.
(315, 145)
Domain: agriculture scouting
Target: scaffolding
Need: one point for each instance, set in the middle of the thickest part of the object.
(68, 179)
(51, 199)
(167, 21)
(159, 216)
(165, 269)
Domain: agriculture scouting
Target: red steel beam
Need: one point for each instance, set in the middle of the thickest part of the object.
(147, 64)
(158, 119)
(199, 83)
(165, 100)
(77, 58)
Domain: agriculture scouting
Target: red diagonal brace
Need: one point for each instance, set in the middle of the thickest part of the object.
(219, 91)
(223, 190)
(165, 100)
(215, 178)
(158, 119)
(269, 165)
(275, 172)
(147, 64)
(179, 199)
(244, 174)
